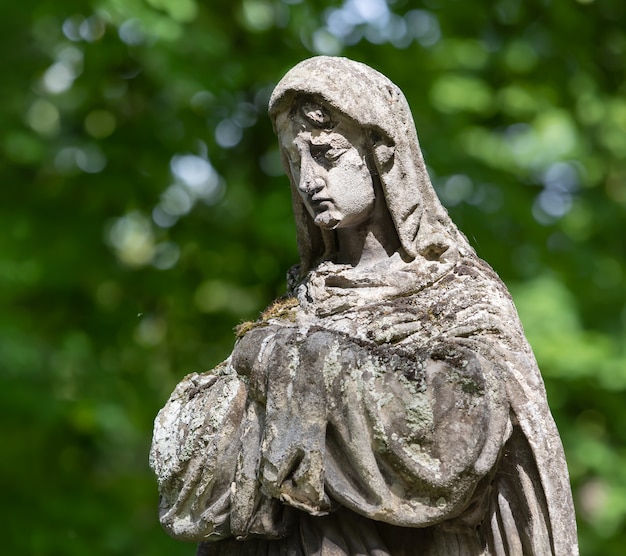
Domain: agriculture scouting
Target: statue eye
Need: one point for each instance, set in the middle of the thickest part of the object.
(318, 152)
(325, 154)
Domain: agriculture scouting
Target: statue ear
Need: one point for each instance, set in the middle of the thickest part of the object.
(384, 156)
(383, 150)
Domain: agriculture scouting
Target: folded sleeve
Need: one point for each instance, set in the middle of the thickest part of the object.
(194, 455)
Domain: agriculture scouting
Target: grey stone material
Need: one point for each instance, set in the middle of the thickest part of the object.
(389, 404)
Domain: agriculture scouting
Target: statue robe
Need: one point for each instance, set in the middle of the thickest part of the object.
(391, 411)
(371, 414)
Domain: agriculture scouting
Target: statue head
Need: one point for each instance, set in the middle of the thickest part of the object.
(327, 156)
(326, 107)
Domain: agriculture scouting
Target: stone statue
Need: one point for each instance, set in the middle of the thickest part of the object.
(389, 404)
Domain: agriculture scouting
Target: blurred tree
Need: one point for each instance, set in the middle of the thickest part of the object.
(144, 213)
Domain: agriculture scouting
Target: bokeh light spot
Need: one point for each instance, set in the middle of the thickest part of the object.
(100, 123)
(71, 27)
(176, 200)
(179, 10)
(424, 26)
(132, 238)
(162, 218)
(43, 117)
(228, 134)
(150, 331)
(520, 56)
(195, 172)
(258, 15)
(89, 159)
(92, 29)
(456, 189)
(131, 32)
(455, 93)
(326, 43)
(59, 77)
(166, 255)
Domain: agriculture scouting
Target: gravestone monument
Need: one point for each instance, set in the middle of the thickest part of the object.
(389, 404)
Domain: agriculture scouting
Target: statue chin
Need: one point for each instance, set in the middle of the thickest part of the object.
(326, 221)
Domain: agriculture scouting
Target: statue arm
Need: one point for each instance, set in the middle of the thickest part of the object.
(194, 456)
(206, 440)
(309, 421)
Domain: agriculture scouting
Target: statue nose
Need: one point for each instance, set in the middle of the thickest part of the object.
(310, 182)
(315, 185)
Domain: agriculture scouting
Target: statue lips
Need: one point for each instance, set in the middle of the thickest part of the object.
(321, 204)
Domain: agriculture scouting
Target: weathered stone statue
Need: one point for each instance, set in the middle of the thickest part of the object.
(389, 404)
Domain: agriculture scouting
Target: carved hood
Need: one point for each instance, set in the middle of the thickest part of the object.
(375, 104)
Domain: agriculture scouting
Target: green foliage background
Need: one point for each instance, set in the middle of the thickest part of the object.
(143, 214)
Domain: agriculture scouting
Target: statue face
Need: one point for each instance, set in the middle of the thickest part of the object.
(329, 170)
